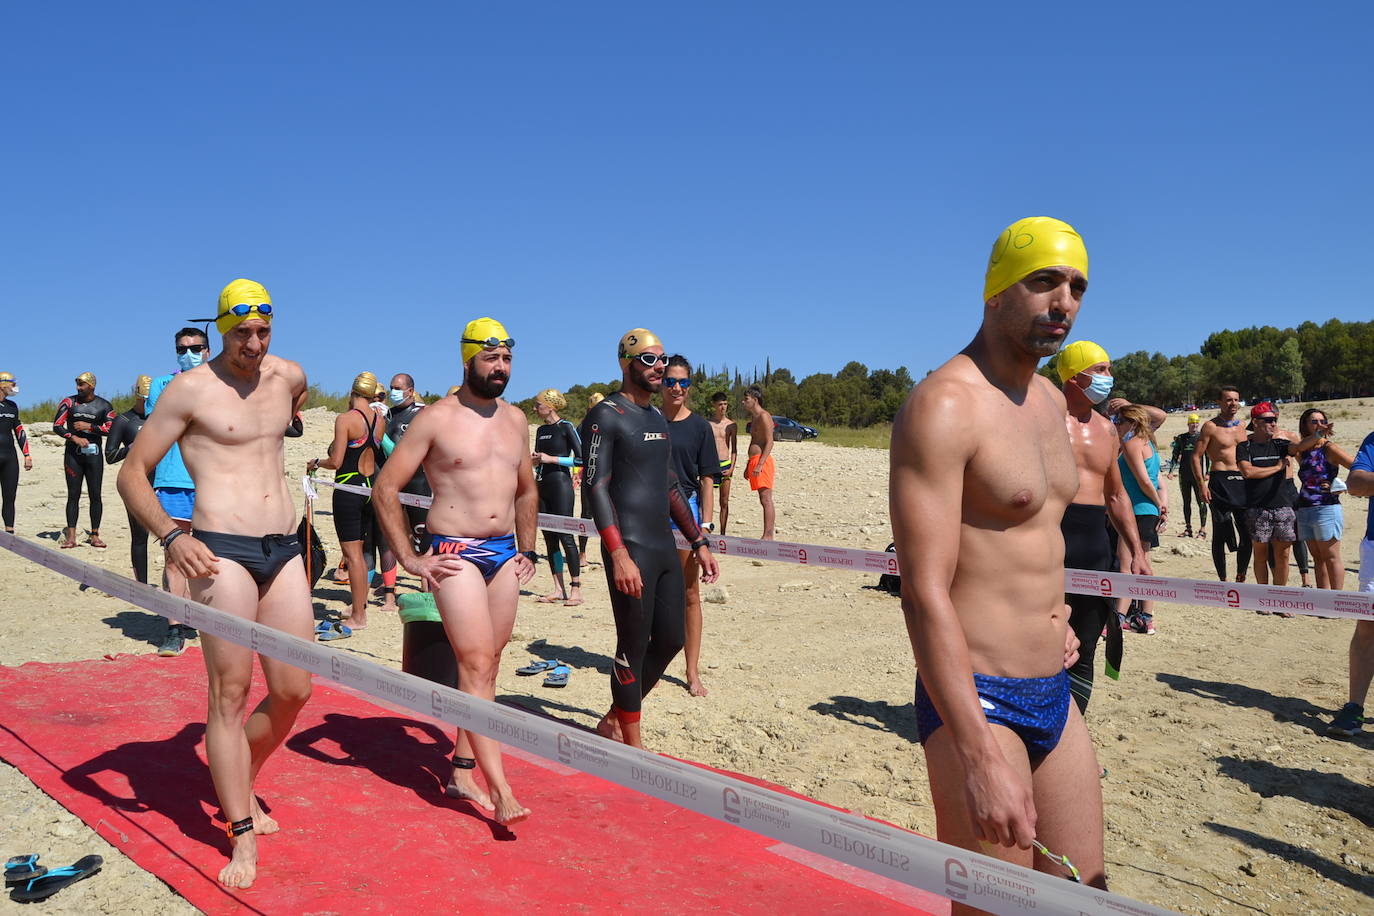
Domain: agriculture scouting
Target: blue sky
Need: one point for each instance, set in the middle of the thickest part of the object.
(805, 182)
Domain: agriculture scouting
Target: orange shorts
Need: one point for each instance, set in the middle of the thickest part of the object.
(764, 481)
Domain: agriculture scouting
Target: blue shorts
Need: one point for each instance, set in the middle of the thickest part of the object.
(1035, 708)
(696, 511)
(487, 554)
(178, 502)
(1321, 523)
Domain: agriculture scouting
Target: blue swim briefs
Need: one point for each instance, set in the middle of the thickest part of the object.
(1035, 708)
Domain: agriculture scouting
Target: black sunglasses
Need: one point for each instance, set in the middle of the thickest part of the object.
(193, 348)
(1267, 419)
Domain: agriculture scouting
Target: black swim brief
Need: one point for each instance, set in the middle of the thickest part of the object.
(263, 556)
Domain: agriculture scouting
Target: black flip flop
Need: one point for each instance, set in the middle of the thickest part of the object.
(44, 887)
(23, 868)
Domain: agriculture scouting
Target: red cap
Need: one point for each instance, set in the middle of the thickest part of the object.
(1261, 408)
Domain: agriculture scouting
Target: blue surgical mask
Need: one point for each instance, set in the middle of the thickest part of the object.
(397, 396)
(188, 360)
(1099, 388)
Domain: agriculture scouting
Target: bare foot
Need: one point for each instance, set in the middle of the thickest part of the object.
(508, 810)
(552, 599)
(357, 621)
(263, 823)
(243, 862)
(609, 727)
(463, 785)
(695, 687)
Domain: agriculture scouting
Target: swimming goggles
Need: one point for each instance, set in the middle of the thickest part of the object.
(677, 382)
(243, 309)
(491, 343)
(194, 348)
(650, 359)
(1074, 876)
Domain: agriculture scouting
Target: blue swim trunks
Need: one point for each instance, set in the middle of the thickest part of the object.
(1035, 708)
(696, 511)
(487, 554)
(178, 502)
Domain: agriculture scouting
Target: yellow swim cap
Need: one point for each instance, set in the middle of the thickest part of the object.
(1080, 355)
(365, 383)
(143, 385)
(1194, 418)
(88, 377)
(454, 390)
(552, 397)
(241, 292)
(1029, 245)
(596, 398)
(479, 332)
(635, 342)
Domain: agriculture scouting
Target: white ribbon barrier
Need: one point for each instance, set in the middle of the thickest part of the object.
(884, 850)
(1243, 595)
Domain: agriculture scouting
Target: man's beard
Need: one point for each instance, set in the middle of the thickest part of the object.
(640, 376)
(491, 387)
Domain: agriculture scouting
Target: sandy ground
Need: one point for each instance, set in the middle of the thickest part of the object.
(1223, 794)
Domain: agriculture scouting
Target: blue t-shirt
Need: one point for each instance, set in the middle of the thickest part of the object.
(171, 470)
(1364, 461)
(1139, 500)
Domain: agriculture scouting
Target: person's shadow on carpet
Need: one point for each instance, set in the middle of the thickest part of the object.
(406, 753)
(166, 776)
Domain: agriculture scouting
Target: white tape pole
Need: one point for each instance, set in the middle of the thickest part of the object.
(884, 850)
(1243, 595)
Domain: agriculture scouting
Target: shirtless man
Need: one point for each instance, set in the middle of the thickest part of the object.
(474, 448)
(759, 469)
(1085, 371)
(976, 522)
(1223, 488)
(241, 555)
(727, 447)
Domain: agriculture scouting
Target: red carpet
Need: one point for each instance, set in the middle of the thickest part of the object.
(365, 826)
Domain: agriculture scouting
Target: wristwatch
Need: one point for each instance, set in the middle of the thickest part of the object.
(531, 556)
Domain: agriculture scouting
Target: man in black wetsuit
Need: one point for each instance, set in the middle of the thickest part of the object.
(633, 491)
(1182, 462)
(82, 419)
(122, 435)
(11, 434)
(403, 408)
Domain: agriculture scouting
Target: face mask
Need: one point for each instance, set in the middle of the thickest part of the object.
(1099, 388)
(188, 360)
(397, 396)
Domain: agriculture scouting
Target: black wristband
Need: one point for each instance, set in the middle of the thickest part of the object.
(172, 536)
(531, 556)
(700, 543)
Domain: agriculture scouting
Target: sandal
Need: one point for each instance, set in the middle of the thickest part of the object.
(23, 868)
(44, 887)
(538, 667)
(558, 677)
(551, 599)
(95, 541)
(327, 630)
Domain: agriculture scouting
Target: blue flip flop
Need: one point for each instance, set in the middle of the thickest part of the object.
(23, 868)
(44, 887)
(558, 677)
(326, 630)
(538, 667)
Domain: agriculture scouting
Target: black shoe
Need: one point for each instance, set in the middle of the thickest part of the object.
(174, 644)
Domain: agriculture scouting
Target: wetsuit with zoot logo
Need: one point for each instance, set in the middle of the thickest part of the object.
(633, 492)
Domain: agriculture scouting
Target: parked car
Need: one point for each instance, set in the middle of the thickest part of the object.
(785, 428)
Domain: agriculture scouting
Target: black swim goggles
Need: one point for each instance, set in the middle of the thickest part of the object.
(243, 310)
(490, 343)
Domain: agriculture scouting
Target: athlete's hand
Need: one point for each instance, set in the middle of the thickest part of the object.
(28, 463)
(433, 568)
(81, 426)
(542, 458)
(1000, 802)
(626, 573)
(192, 558)
(81, 441)
(1204, 491)
(524, 568)
(1140, 564)
(1071, 642)
(710, 569)
(1170, 475)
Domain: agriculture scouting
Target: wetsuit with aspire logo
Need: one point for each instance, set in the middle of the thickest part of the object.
(122, 434)
(633, 492)
(11, 434)
(556, 490)
(83, 462)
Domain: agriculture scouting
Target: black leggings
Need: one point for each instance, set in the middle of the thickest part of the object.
(1229, 533)
(649, 630)
(556, 498)
(138, 549)
(1190, 489)
(9, 482)
(91, 469)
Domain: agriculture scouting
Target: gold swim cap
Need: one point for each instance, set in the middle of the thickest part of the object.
(1194, 418)
(241, 292)
(6, 376)
(634, 343)
(1029, 245)
(365, 383)
(88, 377)
(454, 390)
(552, 397)
(596, 398)
(1079, 355)
(482, 329)
(143, 385)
